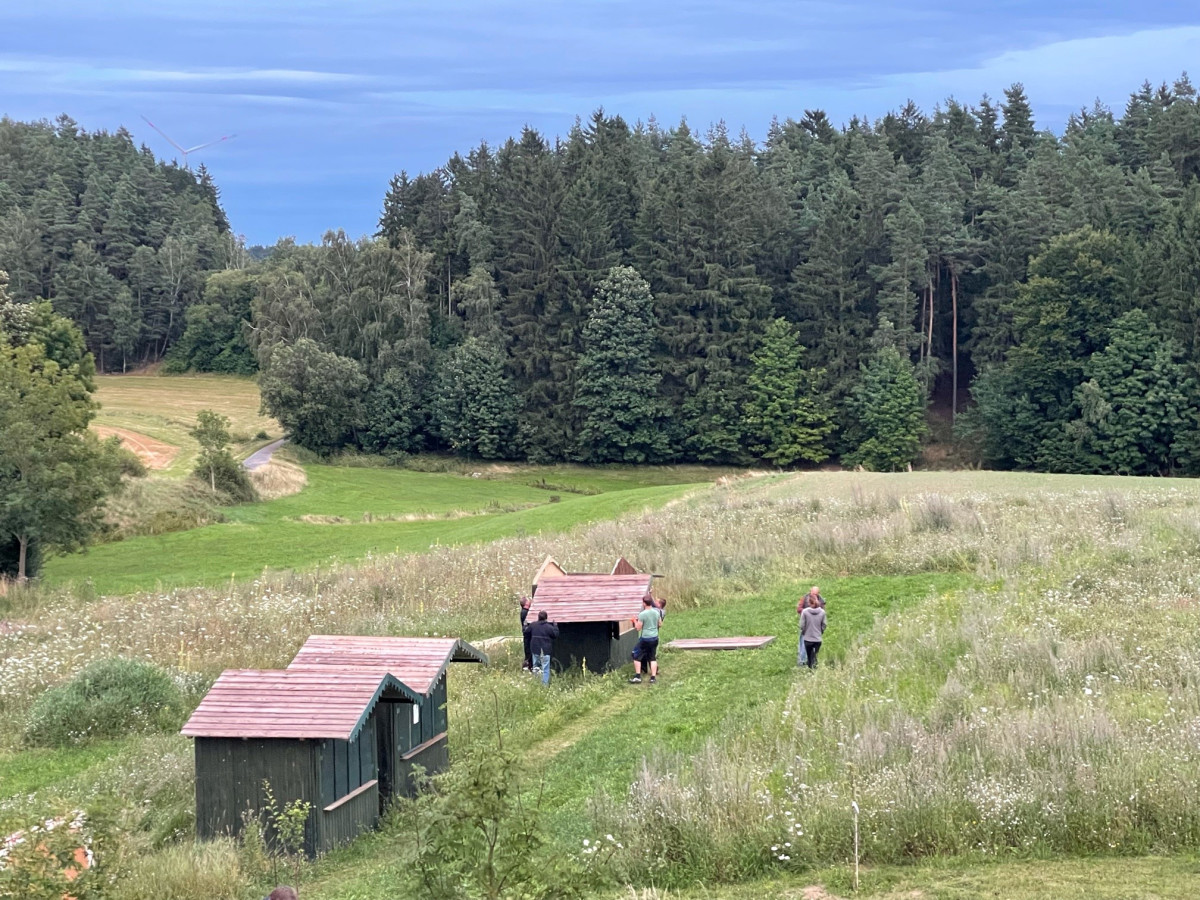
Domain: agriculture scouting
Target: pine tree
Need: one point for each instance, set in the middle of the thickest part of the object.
(786, 419)
(617, 388)
(887, 414)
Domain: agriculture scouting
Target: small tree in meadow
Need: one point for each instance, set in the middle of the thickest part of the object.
(216, 464)
(480, 835)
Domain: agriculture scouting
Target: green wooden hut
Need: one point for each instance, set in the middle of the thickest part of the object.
(594, 613)
(342, 737)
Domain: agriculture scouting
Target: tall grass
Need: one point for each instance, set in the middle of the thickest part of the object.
(1057, 712)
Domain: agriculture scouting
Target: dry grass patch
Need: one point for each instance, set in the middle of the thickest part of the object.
(278, 478)
(164, 408)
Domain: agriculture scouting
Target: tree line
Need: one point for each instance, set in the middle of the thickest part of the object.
(641, 294)
(118, 242)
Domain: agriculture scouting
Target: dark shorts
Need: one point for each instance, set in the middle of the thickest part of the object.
(646, 650)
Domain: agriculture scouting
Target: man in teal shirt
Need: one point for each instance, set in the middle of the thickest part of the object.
(646, 650)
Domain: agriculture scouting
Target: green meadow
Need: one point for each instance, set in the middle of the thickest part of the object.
(345, 513)
(1006, 691)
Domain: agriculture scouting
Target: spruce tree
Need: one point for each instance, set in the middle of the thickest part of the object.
(617, 388)
(1139, 403)
(475, 407)
(886, 414)
(786, 418)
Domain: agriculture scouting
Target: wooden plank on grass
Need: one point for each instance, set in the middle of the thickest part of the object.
(721, 643)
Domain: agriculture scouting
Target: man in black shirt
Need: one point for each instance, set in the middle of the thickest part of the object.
(541, 642)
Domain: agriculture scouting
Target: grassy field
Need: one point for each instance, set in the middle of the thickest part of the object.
(1011, 693)
(165, 407)
(346, 513)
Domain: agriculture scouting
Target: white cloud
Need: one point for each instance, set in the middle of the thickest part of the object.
(67, 72)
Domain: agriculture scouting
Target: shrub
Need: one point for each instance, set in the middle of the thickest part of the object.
(479, 835)
(70, 854)
(108, 699)
(228, 477)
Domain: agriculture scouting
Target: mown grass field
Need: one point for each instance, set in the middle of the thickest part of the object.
(165, 407)
(1010, 693)
(346, 513)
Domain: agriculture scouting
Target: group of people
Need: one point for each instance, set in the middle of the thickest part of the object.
(539, 637)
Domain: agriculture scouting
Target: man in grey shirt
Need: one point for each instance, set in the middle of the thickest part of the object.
(812, 627)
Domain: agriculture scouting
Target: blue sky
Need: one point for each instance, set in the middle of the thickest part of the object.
(329, 99)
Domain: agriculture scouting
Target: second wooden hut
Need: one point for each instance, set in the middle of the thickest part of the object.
(594, 613)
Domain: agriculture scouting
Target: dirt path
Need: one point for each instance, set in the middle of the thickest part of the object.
(567, 736)
(153, 453)
(262, 455)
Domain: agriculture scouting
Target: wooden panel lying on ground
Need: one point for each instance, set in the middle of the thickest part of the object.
(721, 643)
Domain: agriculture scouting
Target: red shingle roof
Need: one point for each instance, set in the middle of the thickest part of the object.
(273, 703)
(590, 598)
(416, 662)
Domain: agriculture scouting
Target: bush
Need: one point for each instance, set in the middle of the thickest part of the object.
(227, 477)
(131, 464)
(480, 835)
(109, 699)
(66, 854)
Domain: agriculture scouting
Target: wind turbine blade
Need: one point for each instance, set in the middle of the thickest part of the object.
(164, 134)
(226, 137)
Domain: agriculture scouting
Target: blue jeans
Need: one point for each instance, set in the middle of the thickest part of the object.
(543, 660)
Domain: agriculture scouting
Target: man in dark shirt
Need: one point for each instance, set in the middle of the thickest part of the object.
(541, 642)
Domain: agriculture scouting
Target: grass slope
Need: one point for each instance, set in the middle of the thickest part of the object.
(589, 735)
(272, 536)
(165, 407)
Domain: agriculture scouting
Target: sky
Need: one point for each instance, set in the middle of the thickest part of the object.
(328, 100)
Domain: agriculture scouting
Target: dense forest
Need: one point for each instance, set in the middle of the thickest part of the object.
(118, 242)
(646, 294)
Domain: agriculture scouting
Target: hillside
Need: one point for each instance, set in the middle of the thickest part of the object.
(120, 242)
(974, 700)
(163, 410)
